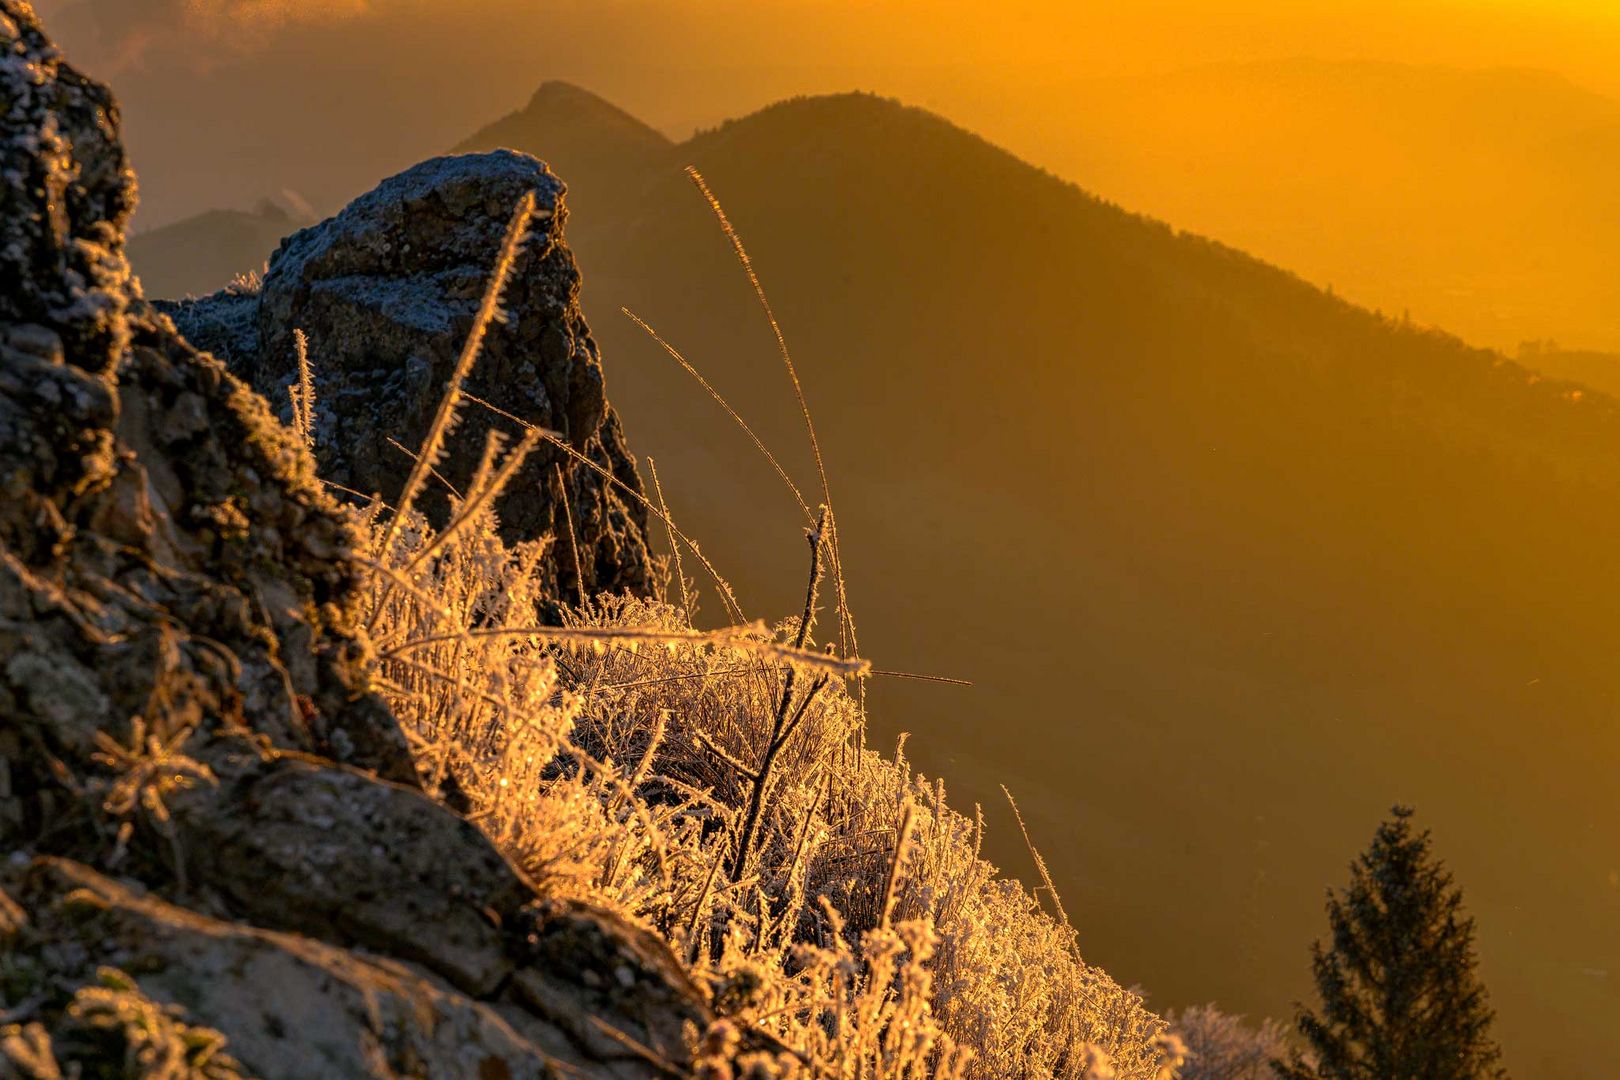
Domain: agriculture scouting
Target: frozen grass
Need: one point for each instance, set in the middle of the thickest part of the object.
(1221, 1046)
(716, 787)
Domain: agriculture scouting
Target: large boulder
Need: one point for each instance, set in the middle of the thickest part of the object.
(197, 786)
(386, 293)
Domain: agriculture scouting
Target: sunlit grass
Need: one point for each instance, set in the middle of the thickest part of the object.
(715, 786)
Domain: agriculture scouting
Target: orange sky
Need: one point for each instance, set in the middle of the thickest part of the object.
(228, 100)
(684, 62)
(1051, 38)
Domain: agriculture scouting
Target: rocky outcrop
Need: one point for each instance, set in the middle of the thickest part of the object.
(197, 787)
(386, 292)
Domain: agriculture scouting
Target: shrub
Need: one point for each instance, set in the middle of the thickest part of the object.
(1221, 1046)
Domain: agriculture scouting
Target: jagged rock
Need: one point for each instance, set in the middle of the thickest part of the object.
(386, 292)
(196, 784)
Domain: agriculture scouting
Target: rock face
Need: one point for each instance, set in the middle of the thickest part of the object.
(386, 292)
(196, 785)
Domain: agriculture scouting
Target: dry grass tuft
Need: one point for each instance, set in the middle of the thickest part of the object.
(715, 786)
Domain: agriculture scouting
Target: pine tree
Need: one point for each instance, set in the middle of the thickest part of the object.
(1399, 999)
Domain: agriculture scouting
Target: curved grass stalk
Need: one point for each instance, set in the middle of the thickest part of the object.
(849, 643)
(727, 597)
(745, 638)
(759, 444)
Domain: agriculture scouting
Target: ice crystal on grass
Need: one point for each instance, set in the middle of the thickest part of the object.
(1221, 1046)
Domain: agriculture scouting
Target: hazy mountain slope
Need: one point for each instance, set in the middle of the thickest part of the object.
(1234, 564)
(1481, 200)
(1599, 370)
(602, 151)
(203, 253)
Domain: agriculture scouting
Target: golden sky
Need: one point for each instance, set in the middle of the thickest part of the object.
(1051, 37)
(1379, 191)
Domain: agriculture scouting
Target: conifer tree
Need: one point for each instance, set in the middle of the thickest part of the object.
(1399, 998)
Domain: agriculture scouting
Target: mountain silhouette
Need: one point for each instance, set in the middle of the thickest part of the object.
(597, 146)
(199, 254)
(1232, 563)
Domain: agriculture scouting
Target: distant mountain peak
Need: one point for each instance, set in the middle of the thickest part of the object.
(569, 126)
(554, 92)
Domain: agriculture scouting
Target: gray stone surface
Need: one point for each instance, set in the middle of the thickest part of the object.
(386, 292)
